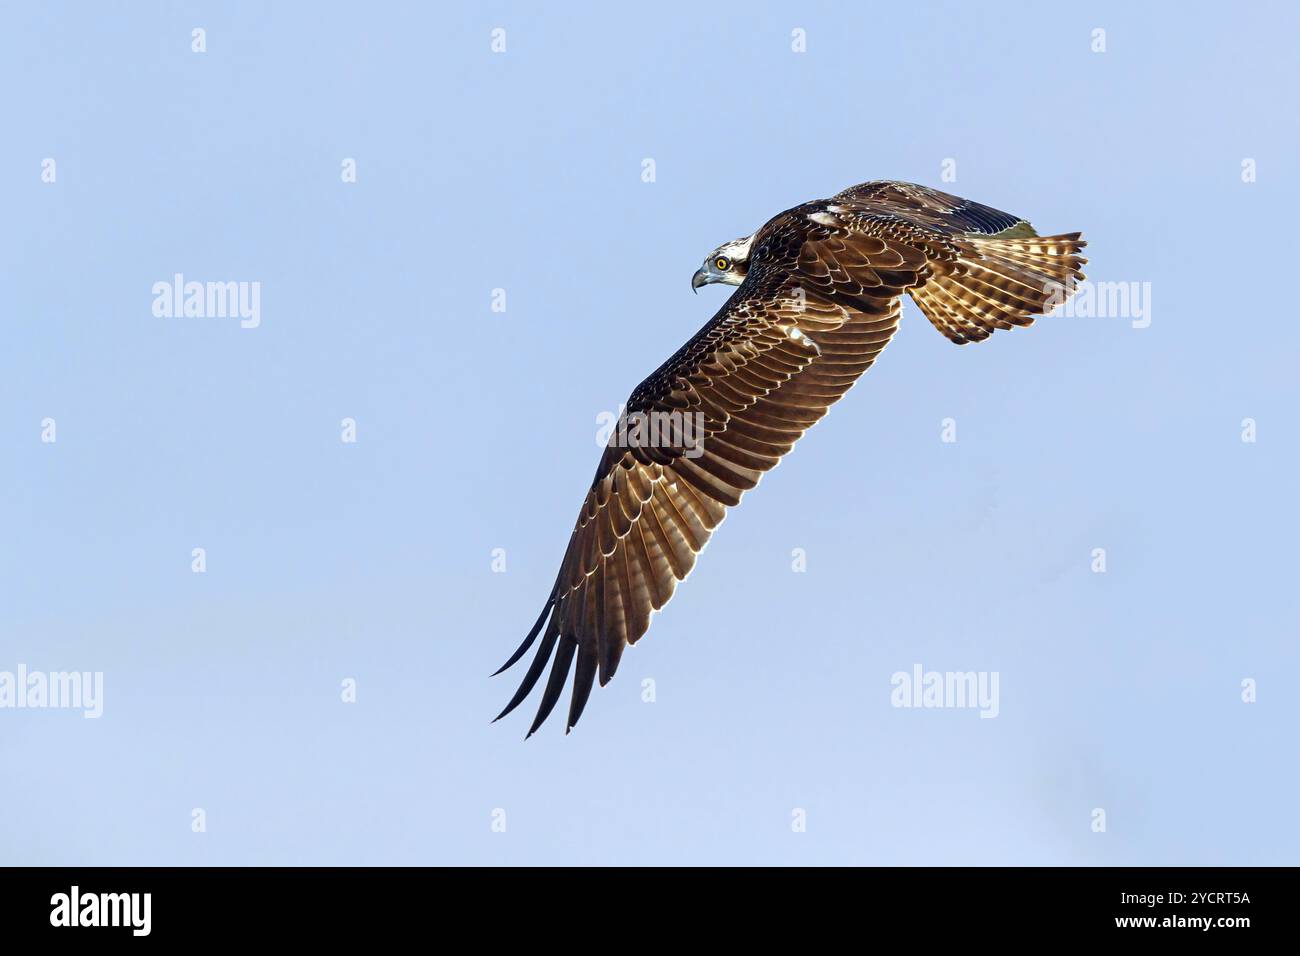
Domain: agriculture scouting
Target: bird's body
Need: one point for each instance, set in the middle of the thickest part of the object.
(819, 296)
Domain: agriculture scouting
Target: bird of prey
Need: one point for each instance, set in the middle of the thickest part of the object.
(819, 294)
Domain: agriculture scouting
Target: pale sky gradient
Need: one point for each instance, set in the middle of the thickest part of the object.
(521, 171)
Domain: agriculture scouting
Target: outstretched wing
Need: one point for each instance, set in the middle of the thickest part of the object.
(940, 210)
(819, 303)
(994, 272)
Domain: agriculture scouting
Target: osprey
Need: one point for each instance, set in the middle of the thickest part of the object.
(819, 296)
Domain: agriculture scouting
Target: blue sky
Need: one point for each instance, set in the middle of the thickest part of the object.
(373, 560)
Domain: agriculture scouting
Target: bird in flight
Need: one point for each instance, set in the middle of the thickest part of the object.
(819, 295)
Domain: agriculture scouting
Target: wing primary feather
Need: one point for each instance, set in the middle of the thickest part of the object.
(534, 669)
(554, 683)
(583, 677)
(613, 649)
(604, 579)
(532, 635)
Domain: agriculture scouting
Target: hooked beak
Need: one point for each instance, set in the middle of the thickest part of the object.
(700, 278)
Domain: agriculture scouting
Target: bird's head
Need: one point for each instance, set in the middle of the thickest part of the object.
(727, 264)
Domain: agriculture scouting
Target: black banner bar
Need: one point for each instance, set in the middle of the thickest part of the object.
(370, 904)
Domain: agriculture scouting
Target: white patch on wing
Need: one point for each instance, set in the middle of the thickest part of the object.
(796, 334)
(823, 219)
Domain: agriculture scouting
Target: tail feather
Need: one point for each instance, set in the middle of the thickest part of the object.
(1001, 283)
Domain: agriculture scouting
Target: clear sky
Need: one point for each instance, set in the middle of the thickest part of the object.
(771, 737)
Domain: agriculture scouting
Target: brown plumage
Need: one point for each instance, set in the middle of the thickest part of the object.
(820, 298)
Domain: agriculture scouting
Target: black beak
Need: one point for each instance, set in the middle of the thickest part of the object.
(700, 278)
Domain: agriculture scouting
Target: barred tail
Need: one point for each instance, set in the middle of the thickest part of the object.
(998, 283)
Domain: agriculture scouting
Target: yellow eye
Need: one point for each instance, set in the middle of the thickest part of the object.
(722, 263)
